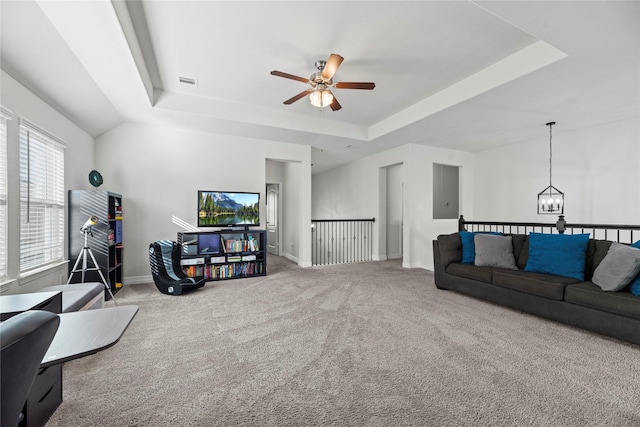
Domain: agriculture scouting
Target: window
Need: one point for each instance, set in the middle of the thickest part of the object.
(41, 198)
(3, 193)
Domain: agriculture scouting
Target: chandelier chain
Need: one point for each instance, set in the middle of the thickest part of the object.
(550, 156)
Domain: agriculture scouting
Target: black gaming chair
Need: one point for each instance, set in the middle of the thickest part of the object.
(24, 340)
(164, 257)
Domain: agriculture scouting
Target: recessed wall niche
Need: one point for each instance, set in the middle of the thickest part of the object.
(446, 191)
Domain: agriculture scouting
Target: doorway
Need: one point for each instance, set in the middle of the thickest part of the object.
(273, 196)
(395, 202)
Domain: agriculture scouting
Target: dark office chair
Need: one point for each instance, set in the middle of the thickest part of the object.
(164, 257)
(24, 340)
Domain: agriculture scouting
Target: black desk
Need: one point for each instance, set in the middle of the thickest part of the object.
(79, 334)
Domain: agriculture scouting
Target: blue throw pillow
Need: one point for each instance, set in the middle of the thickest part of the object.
(634, 286)
(469, 246)
(558, 254)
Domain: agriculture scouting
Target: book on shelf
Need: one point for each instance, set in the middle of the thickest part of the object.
(253, 245)
(193, 270)
(240, 245)
(225, 271)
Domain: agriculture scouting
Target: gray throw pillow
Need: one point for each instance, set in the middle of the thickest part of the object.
(618, 268)
(494, 251)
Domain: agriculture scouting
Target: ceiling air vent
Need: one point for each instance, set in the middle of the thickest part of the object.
(188, 81)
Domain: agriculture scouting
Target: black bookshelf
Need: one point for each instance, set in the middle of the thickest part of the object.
(104, 240)
(224, 254)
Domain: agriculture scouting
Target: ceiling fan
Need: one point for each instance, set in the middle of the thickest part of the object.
(320, 81)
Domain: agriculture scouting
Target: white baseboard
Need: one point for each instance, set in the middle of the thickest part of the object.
(137, 280)
(415, 265)
(290, 257)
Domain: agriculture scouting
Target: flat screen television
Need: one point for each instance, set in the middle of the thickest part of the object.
(228, 209)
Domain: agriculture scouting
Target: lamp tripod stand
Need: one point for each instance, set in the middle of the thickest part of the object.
(82, 257)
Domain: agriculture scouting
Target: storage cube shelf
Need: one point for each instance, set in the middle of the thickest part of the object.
(220, 255)
(105, 239)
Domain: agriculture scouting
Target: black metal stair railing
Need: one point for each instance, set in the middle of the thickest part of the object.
(613, 232)
(340, 241)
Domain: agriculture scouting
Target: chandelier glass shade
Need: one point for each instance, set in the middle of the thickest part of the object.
(321, 98)
(550, 200)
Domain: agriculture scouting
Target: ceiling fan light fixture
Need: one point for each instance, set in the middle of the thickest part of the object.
(319, 95)
(321, 98)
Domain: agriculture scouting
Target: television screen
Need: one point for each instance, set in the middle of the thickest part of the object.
(208, 244)
(227, 209)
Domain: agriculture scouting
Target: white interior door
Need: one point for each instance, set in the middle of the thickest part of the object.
(272, 219)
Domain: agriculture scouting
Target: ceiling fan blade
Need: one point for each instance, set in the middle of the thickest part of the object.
(355, 85)
(331, 66)
(335, 105)
(298, 96)
(289, 76)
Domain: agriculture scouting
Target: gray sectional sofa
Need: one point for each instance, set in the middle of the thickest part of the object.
(569, 300)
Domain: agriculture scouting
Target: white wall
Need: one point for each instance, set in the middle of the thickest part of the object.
(357, 190)
(596, 168)
(78, 163)
(159, 170)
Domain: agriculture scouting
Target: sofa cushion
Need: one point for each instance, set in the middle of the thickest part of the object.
(558, 254)
(520, 249)
(590, 295)
(450, 248)
(468, 245)
(544, 285)
(634, 287)
(596, 251)
(482, 274)
(494, 251)
(618, 268)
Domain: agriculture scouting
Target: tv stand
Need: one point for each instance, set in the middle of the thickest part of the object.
(223, 254)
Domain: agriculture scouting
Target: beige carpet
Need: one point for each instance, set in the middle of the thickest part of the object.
(369, 344)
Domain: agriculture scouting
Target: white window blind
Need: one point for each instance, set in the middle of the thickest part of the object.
(41, 197)
(3, 194)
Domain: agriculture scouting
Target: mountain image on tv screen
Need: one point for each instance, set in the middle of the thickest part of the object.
(223, 209)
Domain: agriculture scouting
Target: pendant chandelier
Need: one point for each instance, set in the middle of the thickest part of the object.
(550, 200)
